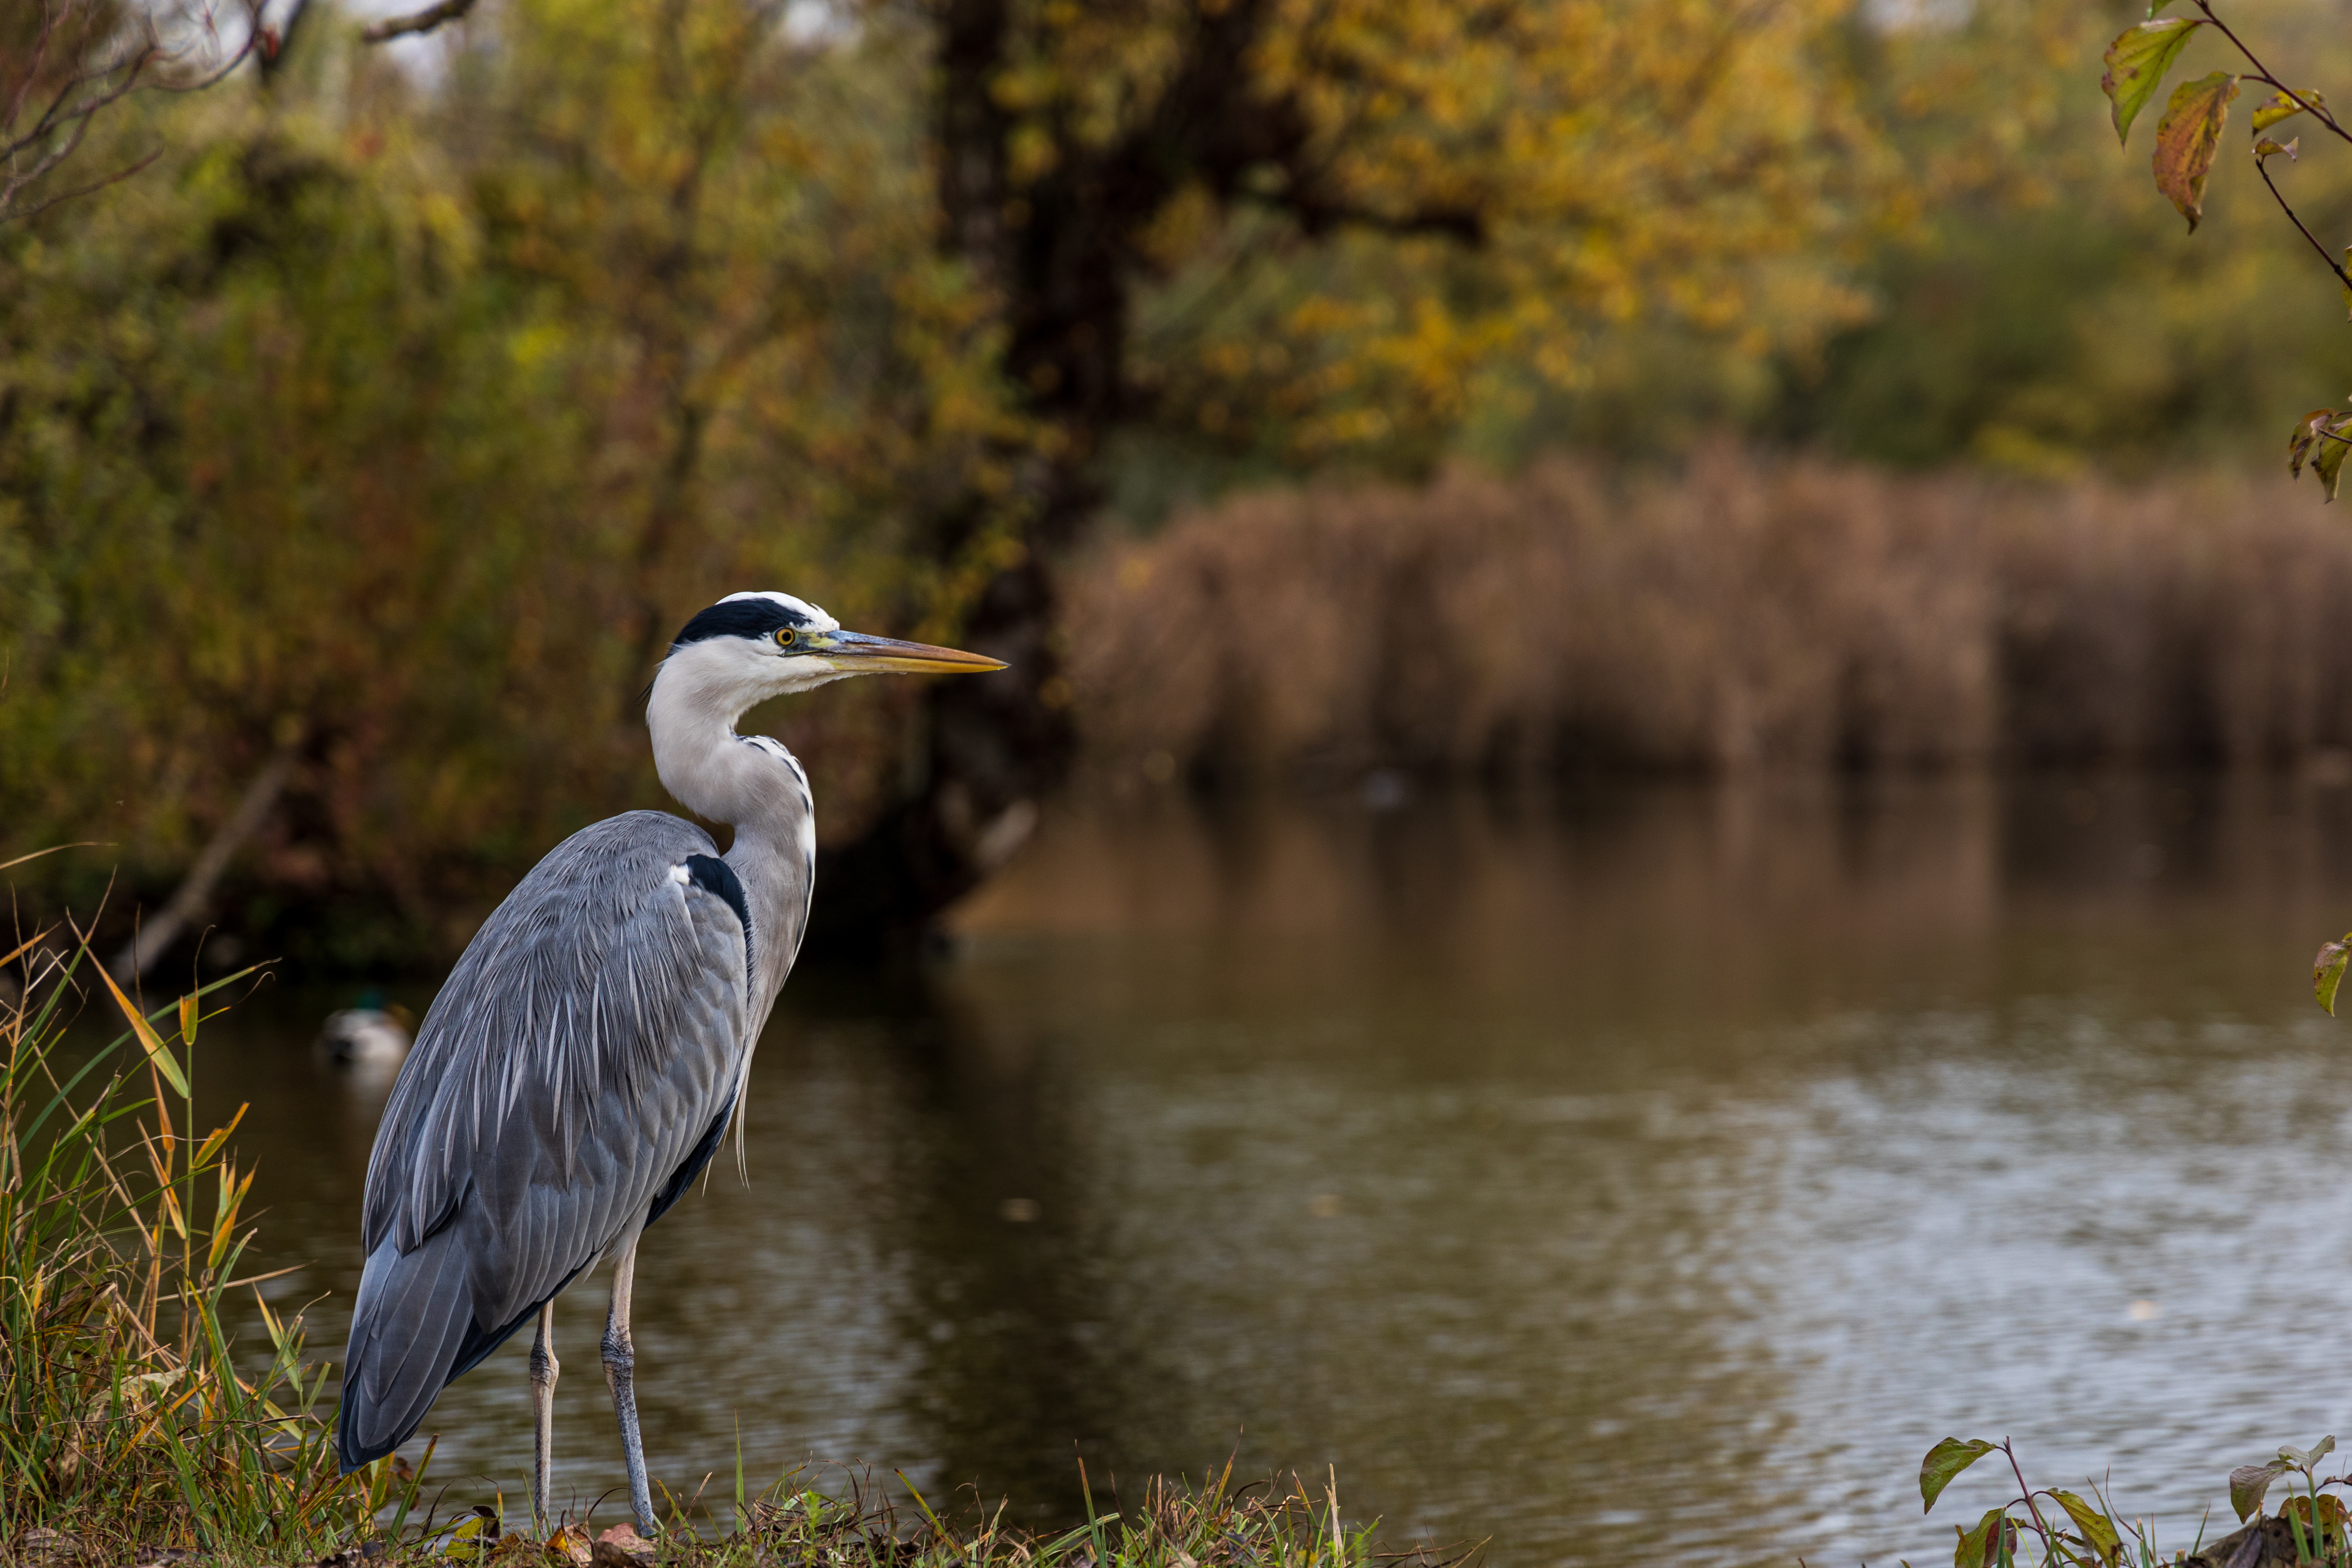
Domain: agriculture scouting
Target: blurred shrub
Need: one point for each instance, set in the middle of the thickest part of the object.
(1753, 612)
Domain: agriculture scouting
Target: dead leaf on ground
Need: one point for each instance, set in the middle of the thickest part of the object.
(623, 1547)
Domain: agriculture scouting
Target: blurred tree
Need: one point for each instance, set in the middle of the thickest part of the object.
(397, 422)
(1311, 226)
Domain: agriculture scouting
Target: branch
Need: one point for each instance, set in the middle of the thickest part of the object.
(32, 66)
(2264, 74)
(46, 202)
(423, 21)
(1318, 217)
(28, 155)
(2262, 168)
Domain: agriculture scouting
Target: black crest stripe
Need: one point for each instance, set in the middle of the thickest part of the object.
(758, 617)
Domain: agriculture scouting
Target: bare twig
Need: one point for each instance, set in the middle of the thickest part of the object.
(2333, 265)
(423, 21)
(46, 202)
(44, 118)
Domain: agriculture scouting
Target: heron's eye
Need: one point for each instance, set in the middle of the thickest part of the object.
(786, 637)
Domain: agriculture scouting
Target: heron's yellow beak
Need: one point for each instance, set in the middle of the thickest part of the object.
(859, 654)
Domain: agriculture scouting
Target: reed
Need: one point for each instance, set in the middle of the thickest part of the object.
(129, 1421)
(1749, 611)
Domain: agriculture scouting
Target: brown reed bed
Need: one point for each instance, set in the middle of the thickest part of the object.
(1751, 612)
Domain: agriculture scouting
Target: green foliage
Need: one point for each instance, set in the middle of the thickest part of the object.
(2137, 63)
(407, 430)
(1946, 1460)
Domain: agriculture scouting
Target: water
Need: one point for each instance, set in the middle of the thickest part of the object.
(1656, 1172)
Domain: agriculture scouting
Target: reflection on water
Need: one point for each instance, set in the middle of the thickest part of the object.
(1662, 1171)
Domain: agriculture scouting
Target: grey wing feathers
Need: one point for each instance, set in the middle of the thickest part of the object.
(585, 1045)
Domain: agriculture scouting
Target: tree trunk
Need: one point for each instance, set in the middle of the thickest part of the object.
(1061, 253)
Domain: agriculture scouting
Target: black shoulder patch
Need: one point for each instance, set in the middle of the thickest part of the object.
(754, 618)
(713, 875)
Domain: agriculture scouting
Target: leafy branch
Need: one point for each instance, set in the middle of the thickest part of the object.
(1998, 1539)
(2189, 140)
(2318, 1527)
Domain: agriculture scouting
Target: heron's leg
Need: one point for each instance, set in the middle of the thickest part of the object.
(543, 1368)
(619, 1375)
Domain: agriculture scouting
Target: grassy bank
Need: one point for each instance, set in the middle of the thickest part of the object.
(1748, 611)
(133, 1425)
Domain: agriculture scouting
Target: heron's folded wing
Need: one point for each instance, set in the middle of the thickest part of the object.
(580, 1050)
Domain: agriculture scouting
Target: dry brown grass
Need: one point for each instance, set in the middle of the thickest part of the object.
(1751, 613)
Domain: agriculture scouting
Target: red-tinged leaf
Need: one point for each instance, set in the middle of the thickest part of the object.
(2188, 138)
(2282, 105)
(2248, 1482)
(1982, 1547)
(2328, 971)
(2306, 433)
(2135, 66)
(2327, 455)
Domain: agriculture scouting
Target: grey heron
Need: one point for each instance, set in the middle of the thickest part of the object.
(581, 1063)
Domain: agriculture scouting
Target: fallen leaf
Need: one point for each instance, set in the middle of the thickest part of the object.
(623, 1547)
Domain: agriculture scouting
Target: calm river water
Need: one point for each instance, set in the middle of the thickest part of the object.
(1648, 1175)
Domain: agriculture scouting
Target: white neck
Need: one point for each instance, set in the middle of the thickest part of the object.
(754, 785)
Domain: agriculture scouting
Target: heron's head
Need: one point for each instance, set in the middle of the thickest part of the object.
(748, 648)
